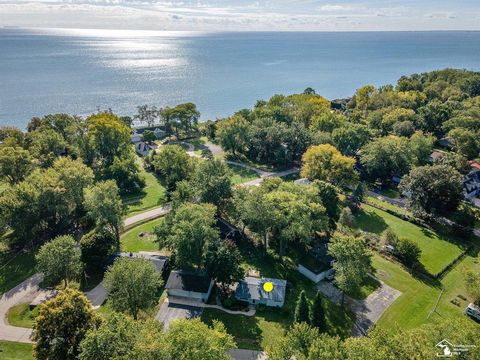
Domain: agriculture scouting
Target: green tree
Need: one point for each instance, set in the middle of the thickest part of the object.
(132, 285)
(352, 261)
(97, 245)
(104, 206)
(212, 182)
(295, 344)
(435, 189)
(173, 164)
(46, 146)
(15, 164)
(187, 231)
(472, 284)
(59, 259)
(232, 134)
(61, 324)
(125, 171)
(408, 251)
(328, 195)
(317, 314)
(223, 263)
(349, 139)
(149, 136)
(301, 308)
(193, 340)
(465, 142)
(324, 162)
(385, 157)
(420, 146)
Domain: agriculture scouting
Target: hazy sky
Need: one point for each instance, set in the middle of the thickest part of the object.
(244, 14)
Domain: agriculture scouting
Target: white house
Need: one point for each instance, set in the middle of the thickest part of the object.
(189, 285)
(317, 265)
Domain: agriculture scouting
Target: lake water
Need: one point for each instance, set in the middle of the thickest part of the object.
(78, 71)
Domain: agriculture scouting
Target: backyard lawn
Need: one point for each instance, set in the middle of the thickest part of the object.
(132, 242)
(268, 325)
(241, 174)
(15, 268)
(437, 250)
(154, 194)
(15, 351)
(419, 295)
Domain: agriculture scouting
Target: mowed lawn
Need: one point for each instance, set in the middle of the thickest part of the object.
(437, 250)
(15, 351)
(15, 268)
(130, 241)
(152, 195)
(419, 295)
(269, 325)
(241, 174)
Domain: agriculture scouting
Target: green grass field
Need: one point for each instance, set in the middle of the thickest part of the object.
(15, 268)
(268, 324)
(241, 175)
(154, 194)
(419, 295)
(15, 351)
(437, 250)
(131, 242)
(21, 315)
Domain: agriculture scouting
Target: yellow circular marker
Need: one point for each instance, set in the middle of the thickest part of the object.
(268, 286)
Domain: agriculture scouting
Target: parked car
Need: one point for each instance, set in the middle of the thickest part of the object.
(473, 311)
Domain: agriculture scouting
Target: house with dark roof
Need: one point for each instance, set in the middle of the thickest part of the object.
(189, 285)
(251, 290)
(227, 230)
(471, 184)
(317, 264)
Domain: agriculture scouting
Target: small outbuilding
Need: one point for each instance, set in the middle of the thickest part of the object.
(317, 264)
(251, 290)
(189, 285)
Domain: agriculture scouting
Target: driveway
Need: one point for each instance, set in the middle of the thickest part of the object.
(22, 293)
(97, 295)
(368, 310)
(241, 354)
(147, 215)
(171, 311)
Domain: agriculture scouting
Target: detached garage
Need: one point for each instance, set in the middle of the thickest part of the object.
(189, 285)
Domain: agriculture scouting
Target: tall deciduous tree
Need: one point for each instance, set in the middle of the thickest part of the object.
(173, 164)
(132, 285)
(349, 139)
(352, 261)
(325, 162)
(435, 189)
(46, 145)
(187, 231)
(223, 263)
(212, 182)
(232, 134)
(15, 164)
(59, 259)
(61, 324)
(104, 206)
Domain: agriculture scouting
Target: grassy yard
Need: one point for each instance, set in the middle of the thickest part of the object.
(386, 205)
(241, 175)
(132, 242)
(419, 295)
(15, 351)
(154, 194)
(268, 325)
(437, 250)
(21, 315)
(369, 286)
(15, 268)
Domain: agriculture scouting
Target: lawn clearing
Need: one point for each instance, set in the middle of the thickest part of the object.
(241, 174)
(438, 250)
(152, 195)
(21, 315)
(15, 351)
(369, 286)
(268, 324)
(132, 242)
(15, 268)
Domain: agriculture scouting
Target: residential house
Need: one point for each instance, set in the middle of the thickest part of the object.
(136, 137)
(251, 290)
(317, 264)
(189, 285)
(471, 184)
(142, 148)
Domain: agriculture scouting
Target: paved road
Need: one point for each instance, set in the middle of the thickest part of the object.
(97, 295)
(147, 215)
(368, 310)
(240, 354)
(257, 182)
(22, 293)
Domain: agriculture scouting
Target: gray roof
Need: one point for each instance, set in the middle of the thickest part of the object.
(159, 261)
(252, 288)
(188, 281)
